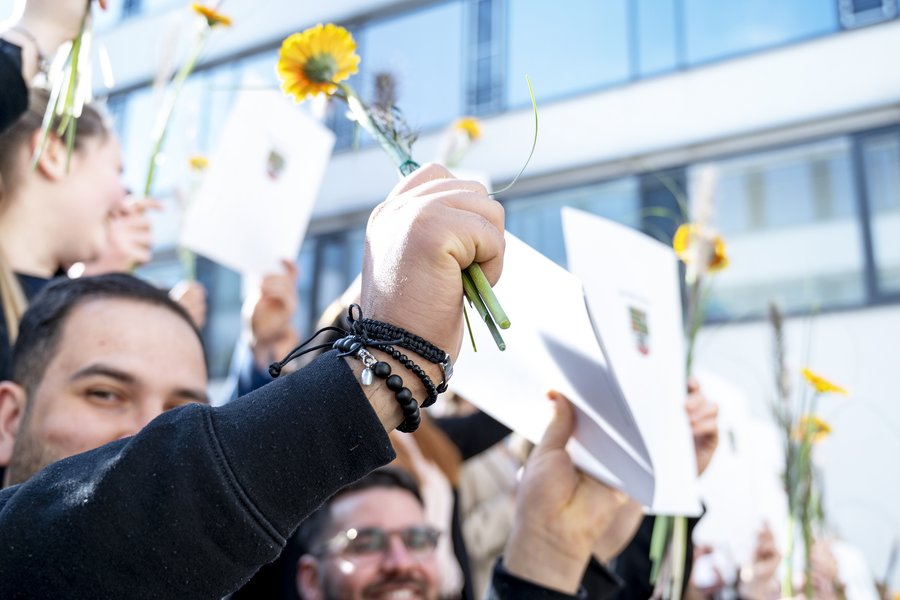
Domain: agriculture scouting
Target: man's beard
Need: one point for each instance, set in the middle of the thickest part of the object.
(329, 592)
(28, 456)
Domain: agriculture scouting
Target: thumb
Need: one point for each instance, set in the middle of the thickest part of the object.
(561, 427)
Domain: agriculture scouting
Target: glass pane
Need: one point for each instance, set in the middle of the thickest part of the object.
(790, 223)
(423, 52)
(565, 47)
(657, 44)
(715, 29)
(536, 220)
(881, 156)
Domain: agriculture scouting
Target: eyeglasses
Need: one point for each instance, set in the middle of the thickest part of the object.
(371, 542)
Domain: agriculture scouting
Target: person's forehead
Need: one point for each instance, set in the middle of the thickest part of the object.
(388, 508)
(129, 332)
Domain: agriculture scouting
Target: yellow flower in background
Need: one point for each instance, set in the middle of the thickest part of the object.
(813, 425)
(468, 125)
(198, 162)
(314, 61)
(689, 234)
(212, 16)
(821, 384)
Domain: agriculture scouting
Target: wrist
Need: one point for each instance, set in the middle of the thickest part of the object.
(530, 556)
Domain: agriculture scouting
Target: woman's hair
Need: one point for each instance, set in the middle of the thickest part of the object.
(91, 124)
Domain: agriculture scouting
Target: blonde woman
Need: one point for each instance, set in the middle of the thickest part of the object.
(55, 214)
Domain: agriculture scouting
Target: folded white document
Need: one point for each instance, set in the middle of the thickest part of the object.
(610, 340)
(633, 292)
(552, 346)
(257, 196)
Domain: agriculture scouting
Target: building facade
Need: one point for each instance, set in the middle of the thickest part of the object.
(796, 103)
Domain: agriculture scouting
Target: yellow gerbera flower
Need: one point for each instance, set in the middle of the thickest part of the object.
(198, 162)
(469, 126)
(688, 234)
(212, 16)
(821, 384)
(814, 425)
(316, 60)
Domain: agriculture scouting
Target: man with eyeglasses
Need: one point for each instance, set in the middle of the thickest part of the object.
(370, 540)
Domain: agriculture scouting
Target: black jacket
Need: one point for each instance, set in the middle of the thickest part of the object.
(192, 505)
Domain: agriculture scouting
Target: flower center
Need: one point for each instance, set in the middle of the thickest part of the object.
(320, 68)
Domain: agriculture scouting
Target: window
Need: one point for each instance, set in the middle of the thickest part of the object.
(857, 13)
(790, 221)
(565, 47)
(881, 159)
(422, 51)
(657, 45)
(536, 219)
(486, 51)
(338, 262)
(716, 29)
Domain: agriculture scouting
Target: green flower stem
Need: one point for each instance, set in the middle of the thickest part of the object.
(165, 115)
(483, 294)
(487, 294)
(478, 303)
(658, 542)
(69, 80)
(693, 321)
(679, 550)
(787, 579)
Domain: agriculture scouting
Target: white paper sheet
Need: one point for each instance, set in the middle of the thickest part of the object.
(633, 293)
(254, 205)
(551, 345)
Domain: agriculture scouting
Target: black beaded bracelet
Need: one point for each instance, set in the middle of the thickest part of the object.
(376, 368)
(430, 388)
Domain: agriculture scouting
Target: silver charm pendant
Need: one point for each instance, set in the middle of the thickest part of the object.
(367, 376)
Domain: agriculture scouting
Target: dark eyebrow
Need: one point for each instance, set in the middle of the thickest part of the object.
(126, 378)
(104, 370)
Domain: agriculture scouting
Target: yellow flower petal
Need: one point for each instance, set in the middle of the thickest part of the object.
(212, 16)
(468, 125)
(821, 384)
(314, 61)
(688, 234)
(813, 426)
(198, 162)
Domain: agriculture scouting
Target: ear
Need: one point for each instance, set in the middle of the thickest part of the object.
(12, 407)
(309, 583)
(54, 156)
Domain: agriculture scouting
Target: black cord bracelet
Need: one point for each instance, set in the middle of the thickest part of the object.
(393, 335)
(366, 333)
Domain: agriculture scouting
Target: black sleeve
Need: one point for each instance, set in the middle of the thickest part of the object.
(197, 501)
(473, 434)
(14, 97)
(633, 565)
(506, 586)
(600, 583)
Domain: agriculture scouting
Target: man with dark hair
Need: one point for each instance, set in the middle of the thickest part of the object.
(370, 540)
(96, 359)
